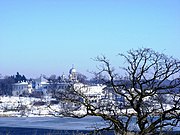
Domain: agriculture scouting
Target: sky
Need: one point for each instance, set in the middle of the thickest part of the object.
(50, 36)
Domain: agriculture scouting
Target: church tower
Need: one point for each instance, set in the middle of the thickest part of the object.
(73, 74)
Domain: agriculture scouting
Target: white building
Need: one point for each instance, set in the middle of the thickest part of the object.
(21, 88)
(94, 93)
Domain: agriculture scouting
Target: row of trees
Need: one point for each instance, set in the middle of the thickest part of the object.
(149, 76)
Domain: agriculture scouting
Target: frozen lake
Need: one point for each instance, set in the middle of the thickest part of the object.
(49, 125)
(29, 125)
(87, 123)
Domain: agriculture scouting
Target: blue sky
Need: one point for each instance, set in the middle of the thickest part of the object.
(49, 36)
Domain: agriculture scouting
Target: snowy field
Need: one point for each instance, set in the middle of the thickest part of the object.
(26, 106)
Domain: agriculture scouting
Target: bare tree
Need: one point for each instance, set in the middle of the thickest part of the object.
(81, 78)
(53, 81)
(150, 77)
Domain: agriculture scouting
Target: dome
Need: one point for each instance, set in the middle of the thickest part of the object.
(72, 70)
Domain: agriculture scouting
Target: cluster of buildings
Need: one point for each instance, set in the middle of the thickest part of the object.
(94, 92)
(41, 84)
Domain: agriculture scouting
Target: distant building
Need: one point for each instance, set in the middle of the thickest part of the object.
(94, 93)
(21, 88)
(73, 75)
(24, 88)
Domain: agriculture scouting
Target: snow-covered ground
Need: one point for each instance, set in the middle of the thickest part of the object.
(38, 107)
(27, 106)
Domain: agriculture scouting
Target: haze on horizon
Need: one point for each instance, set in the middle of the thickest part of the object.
(49, 36)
